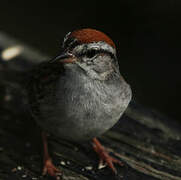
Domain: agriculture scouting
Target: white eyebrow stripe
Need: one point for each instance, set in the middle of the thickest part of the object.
(66, 38)
(96, 45)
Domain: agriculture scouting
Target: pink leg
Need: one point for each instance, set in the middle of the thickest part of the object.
(104, 156)
(48, 168)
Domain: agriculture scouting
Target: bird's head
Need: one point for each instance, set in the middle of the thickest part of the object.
(92, 51)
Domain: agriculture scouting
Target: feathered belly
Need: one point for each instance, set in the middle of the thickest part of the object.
(84, 112)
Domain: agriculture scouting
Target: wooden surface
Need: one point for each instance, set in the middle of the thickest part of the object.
(148, 143)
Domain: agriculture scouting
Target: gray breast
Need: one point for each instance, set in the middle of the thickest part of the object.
(83, 108)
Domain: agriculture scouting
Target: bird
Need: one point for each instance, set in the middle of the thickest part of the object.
(79, 94)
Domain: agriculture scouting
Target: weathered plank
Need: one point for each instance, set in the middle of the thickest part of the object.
(148, 143)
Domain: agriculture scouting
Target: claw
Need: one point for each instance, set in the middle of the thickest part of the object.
(101, 164)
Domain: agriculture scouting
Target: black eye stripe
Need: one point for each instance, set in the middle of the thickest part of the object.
(92, 52)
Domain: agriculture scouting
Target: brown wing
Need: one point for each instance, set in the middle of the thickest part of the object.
(41, 80)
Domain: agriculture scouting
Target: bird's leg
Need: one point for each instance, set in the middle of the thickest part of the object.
(48, 168)
(104, 156)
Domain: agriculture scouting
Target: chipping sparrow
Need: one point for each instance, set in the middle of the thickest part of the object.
(80, 94)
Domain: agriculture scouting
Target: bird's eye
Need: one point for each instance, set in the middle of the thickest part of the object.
(91, 53)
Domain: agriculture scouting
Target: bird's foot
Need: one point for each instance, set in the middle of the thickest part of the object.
(105, 158)
(51, 170)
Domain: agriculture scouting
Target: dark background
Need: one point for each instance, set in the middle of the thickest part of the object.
(147, 35)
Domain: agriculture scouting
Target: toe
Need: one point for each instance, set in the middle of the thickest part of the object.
(117, 161)
(104, 156)
(110, 164)
(51, 170)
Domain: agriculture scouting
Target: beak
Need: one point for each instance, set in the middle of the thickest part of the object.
(64, 58)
